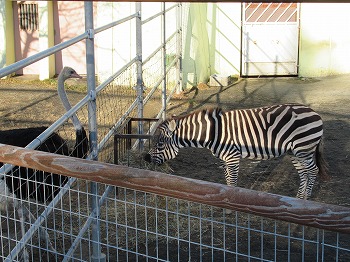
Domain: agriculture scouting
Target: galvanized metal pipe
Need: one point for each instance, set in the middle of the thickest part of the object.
(115, 23)
(34, 58)
(114, 76)
(144, 61)
(97, 255)
(164, 62)
(158, 14)
(155, 86)
(139, 85)
(179, 47)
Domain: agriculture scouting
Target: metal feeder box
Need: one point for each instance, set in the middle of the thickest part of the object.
(219, 80)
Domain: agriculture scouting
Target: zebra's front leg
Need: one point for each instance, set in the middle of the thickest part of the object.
(231, 168)
(303, 185)
(312, 174)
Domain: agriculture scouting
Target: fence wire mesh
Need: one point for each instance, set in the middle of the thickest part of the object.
(112, 102)
(139, 226)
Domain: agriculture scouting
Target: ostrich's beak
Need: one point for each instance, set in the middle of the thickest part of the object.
(76, 75)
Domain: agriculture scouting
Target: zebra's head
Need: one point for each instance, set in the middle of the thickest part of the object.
(164, 147)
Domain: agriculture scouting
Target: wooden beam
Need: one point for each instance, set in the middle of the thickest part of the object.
(304, 212)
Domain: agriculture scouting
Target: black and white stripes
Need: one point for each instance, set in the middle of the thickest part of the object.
(259, 133)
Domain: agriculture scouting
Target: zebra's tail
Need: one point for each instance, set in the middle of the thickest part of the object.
(321, 163)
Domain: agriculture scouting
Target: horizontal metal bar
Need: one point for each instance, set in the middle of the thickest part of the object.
(114, 76)
(158, 14)
(117, 125)
(110, 25)
(34, 58)
(133, 136)
(149, 95)
(143, 119)
(155, 125)
(158, 49)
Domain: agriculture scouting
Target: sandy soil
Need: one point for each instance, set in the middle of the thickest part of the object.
(24, 104)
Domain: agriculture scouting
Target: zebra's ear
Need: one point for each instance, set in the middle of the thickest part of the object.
(172, 125)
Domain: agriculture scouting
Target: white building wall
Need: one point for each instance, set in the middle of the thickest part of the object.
(224, 30)
(7, 45)
(117, 46)
(2, 35)
(211, 38)
(114, 47)
(212, 41)
(324, 39)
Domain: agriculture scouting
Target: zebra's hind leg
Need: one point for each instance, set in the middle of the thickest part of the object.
(307, 171)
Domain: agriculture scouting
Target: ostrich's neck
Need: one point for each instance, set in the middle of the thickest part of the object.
(64, 99)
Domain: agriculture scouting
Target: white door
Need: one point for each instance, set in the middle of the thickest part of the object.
(270, 39)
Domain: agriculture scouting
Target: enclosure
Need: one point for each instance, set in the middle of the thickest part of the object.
(108, 212)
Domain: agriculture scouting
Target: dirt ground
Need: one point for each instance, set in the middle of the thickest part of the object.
(27, 103)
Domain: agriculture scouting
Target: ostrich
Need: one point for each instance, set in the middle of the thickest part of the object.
(41, 185)
(38, 185)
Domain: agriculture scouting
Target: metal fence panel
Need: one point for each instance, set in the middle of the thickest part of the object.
(139, 225)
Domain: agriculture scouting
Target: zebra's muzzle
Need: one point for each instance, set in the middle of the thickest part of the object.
(148, 158)
(151, 159)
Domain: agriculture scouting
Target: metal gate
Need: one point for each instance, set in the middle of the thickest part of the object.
(270, 39)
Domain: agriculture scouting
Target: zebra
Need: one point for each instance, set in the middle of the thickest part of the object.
(257, 133)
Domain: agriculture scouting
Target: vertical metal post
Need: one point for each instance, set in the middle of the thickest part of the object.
(164, 60)
(90, 70)
(179, 47)
(139, 83)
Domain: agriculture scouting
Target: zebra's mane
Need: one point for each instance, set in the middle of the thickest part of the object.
(210, 111)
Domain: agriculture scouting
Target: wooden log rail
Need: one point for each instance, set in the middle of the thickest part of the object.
(304, 212)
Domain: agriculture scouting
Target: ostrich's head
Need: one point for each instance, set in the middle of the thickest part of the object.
(68, 72)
